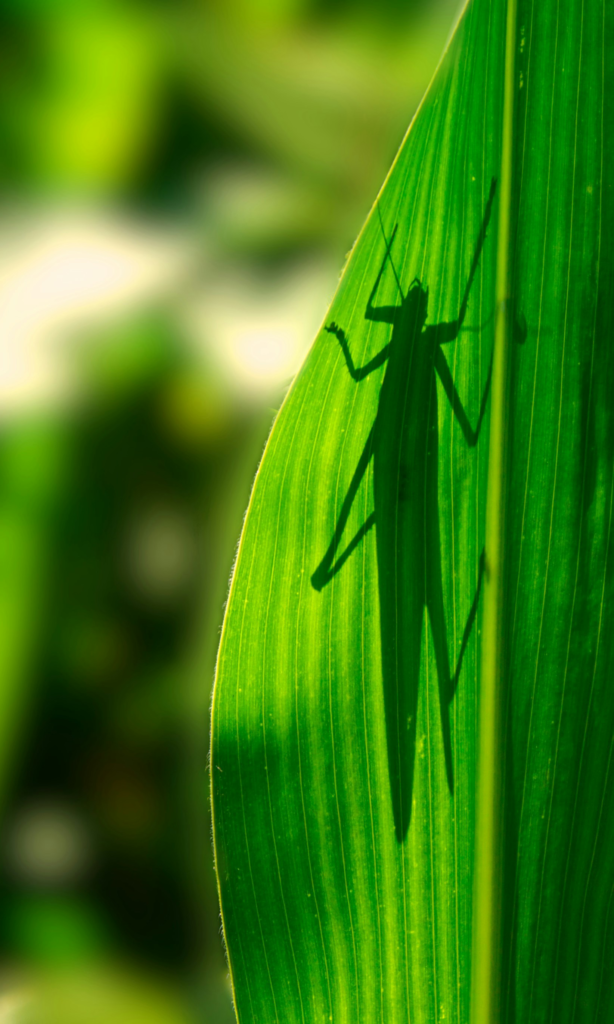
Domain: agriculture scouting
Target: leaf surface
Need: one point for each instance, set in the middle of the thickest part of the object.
(345, 711)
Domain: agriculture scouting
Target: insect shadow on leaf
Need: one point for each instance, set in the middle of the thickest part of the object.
(404, 448)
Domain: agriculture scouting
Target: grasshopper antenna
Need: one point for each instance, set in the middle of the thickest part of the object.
(479, 247)
(388, 248)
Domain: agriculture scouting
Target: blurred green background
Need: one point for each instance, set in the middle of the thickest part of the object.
(180, 183)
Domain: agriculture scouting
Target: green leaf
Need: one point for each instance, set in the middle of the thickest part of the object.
(345, 719)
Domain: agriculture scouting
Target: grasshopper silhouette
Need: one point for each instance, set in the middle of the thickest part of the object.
(404, 447)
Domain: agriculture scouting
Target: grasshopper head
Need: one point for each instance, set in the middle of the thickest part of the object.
(418, 299)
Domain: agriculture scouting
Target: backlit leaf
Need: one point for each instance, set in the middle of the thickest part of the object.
(346, 704)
